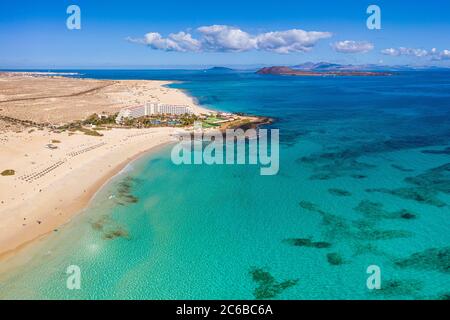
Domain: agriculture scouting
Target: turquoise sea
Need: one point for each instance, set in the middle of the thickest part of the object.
(364, 180)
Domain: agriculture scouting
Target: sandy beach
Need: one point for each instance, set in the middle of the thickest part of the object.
(47, 186)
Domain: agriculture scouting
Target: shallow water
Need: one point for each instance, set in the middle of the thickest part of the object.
(362, 181)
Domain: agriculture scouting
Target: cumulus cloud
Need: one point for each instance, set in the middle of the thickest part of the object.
(434, 53)
(390, 52)
(180, 41)
(294, 40)
(402, 51)
(222, 38)
(350, 46)
(445, 55)
(225, 38)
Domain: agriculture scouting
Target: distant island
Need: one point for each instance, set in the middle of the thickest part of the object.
(329, 66)
(219, 69)
(288, 71)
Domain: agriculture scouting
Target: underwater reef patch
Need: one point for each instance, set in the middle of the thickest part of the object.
(446, 151)
(124, 195)
(344, 161)
(365, 229)
(401, 168)
(307, 242)
(309, 206)
(116, 233)
(444, 296)
(437, 259)
(335, 259)
(268, 287)
(375, 210)
(339, 192)
(109, 229)
(358, 176)
(426, 186)
(340, 168)
(403, 287)
(416, 194)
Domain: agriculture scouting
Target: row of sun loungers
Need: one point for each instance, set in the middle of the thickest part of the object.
(76, 153)
(36, 175)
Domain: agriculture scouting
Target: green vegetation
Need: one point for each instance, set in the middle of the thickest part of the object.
(184, 120)
(90, 132)
(8, 172)
(97, 120)
(212, 122)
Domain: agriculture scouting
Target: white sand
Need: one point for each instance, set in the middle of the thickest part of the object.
(50, 186)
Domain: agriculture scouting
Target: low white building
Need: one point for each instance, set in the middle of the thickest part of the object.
(152, 109)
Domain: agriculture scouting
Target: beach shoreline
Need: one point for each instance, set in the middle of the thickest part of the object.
(45, 161)
(81, 205)
(55, 175)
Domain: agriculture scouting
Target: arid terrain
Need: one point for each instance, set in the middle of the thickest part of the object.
(58, 100)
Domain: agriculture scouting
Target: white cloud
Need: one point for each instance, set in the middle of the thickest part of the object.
(185, 41)
(445, 55)
(402, 51)
(288, 41)
(350, 46)
(181, 42)
(420, 53)
(390, 52)
(222, 38)
(225, 38)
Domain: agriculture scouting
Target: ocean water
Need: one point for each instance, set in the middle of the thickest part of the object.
(364, 180)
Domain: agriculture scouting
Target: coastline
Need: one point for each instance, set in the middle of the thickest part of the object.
(47, 209)
(32, 205)
(80, 205)
(56, 174)
(50, 186)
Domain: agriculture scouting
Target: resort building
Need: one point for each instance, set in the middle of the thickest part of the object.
(150, 109)
(158, 108)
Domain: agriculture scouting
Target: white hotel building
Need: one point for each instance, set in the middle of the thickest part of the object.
(152, 109)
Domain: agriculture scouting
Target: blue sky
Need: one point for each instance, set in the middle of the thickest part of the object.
(33, 34)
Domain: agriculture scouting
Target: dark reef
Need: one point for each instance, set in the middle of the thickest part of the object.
(415, 194)
(400, 168)
(335, 259)
(339, 192)
(425, 187)
(365, 229)
(437, 259)
(124, 195)
(268, 287)
(446, 151)
(109, 229)
(375, 210)
(344, 161)
(408, 287)
(307, 242)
